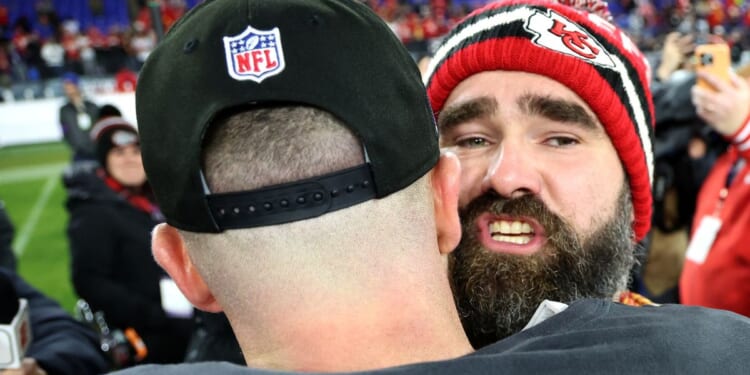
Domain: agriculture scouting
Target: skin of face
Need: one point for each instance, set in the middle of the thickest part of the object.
(125, 165)
(519, 133)
(71, 90)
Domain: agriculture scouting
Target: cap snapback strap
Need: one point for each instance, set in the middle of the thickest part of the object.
(295, 201)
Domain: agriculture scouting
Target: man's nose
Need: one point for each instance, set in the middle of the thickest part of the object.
(512, 172)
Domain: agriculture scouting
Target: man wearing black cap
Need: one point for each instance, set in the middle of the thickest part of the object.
(296, 162)
(294, 201)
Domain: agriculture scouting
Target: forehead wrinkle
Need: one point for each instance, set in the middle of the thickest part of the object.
(558, 109)
(457, 114)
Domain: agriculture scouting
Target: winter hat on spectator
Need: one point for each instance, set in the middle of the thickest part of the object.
(112, 132)
(334, 55)
(571, 42)
(70, 77)
(108, 110)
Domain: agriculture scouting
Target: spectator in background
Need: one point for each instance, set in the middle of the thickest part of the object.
(53, 55)
(125, 80)
(6, 70)
(112, 213)
(4, 20)
(684, 150)
(47, 23)
(7, 257)
(108, 110)
(77, 116)
(140, 44)
(73, 42)
(59, 345)
(717, 266)
(27, 45)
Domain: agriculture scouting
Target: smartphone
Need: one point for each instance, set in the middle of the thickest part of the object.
(715, 59)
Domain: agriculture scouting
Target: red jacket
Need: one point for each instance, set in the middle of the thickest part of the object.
(723, 280)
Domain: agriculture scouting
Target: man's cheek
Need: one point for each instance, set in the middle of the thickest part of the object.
(471, 187)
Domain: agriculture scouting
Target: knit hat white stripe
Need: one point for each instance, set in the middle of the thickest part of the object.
(473, 29)
(640, 118)
(521, 14)
(107, 122)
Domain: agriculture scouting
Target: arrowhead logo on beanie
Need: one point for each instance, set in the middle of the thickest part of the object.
(254, 54)
(560, 34)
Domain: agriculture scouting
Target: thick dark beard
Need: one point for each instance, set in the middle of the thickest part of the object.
(497, 294)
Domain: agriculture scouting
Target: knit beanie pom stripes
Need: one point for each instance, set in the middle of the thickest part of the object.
(571, 42)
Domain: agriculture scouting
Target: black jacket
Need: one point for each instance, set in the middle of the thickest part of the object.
(112, 265)
(60, 344)
(7, 257)
(589, 337)
(74, 134)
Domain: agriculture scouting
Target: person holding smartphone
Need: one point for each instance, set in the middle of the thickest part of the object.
(716, 272)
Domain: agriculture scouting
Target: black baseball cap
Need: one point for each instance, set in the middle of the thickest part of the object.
(335, 55)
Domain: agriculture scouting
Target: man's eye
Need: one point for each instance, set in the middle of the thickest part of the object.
(472, 142)
(561, 141)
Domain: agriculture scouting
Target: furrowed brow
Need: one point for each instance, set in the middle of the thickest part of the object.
(457, 114)
(558, 110)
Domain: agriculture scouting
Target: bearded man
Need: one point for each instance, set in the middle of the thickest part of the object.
(552, 122)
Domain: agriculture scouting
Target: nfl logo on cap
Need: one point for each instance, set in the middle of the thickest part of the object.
(254, 54)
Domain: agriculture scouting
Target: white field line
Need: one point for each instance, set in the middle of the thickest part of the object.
(13, 175)
(52, 173)
(24, 235)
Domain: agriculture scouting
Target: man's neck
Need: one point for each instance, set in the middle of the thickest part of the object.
(361, 333)
(77, 101)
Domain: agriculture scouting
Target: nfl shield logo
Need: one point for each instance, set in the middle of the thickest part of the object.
(254, 54)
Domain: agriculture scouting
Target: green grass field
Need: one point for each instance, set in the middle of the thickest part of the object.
(31, 187)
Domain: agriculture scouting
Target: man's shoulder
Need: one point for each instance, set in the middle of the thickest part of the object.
(677, 321)
(192, 368)
(679, 315)
(603, 336)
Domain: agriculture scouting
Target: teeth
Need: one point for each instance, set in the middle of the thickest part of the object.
(510, 227)
(515, 227)
(518, 240)
(504, 227)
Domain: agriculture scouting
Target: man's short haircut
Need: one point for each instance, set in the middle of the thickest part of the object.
(270, 145)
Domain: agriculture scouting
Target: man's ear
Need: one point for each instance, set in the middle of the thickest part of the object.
(171, 254)
(446, 185)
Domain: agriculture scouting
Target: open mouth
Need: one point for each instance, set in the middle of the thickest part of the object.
(515, 232)
(510, 234)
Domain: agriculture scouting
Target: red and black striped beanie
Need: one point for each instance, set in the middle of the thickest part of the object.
(575, 45)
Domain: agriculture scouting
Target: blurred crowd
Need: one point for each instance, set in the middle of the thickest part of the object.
(42, 39)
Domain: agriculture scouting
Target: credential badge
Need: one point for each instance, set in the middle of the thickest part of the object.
(254, 54)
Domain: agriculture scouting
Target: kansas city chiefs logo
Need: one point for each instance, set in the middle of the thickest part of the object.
(558, 33)
(254, 54)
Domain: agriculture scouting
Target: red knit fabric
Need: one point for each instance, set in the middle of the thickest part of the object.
(485, 52)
